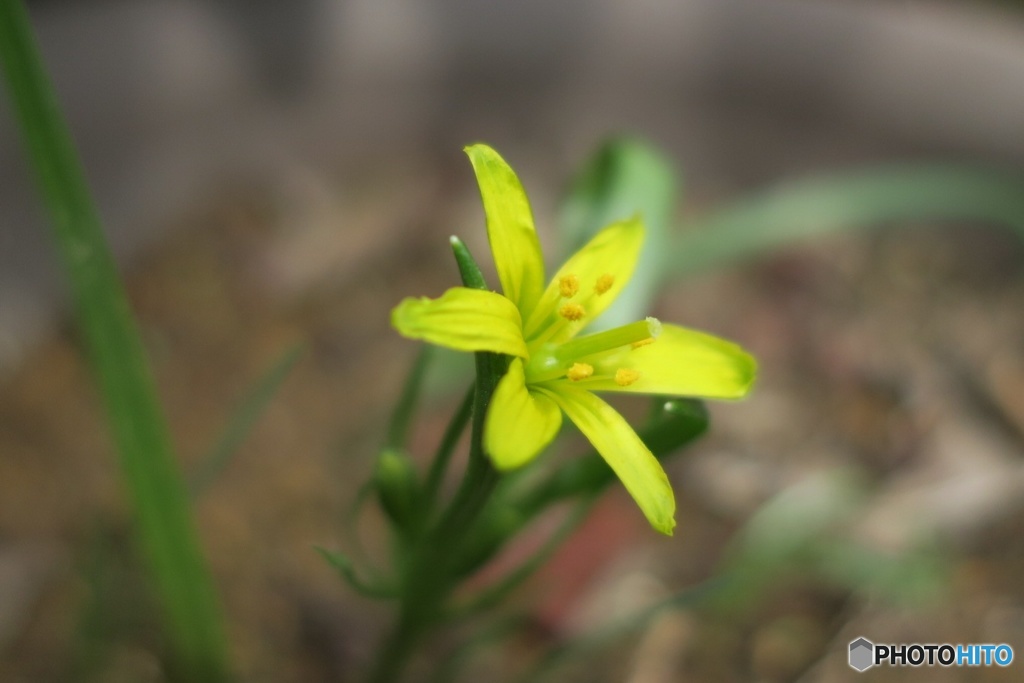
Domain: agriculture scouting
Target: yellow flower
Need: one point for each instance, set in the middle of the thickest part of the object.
(553, 371)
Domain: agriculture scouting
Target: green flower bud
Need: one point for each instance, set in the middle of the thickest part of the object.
(397, 487)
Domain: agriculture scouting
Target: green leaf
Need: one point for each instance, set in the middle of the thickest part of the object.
(915, 576)
(158, 493)
(858, 200)
(625, 178)
(674, 423)
(786, 534)
(808, 531)
(346, 570)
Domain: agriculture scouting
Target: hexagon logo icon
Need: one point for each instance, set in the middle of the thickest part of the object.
(862, 654)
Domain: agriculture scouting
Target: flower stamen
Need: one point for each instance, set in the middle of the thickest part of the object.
(642, 342)
(571, 312)
(568, 285)
(604, 283)
(579, 371)
(626, 376)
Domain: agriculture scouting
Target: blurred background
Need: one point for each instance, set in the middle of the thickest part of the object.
(273, 174)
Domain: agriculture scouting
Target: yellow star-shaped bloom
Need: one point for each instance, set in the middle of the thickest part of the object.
(554, 371)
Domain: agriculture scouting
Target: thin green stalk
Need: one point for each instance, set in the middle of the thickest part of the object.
(393, 654)
(398, 429)
(158, 493)
(439, 465)
(428, 577)
(481, 477)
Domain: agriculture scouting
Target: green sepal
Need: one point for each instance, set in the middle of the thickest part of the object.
(469, 269)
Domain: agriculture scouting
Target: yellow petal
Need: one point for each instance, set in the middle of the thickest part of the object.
(680, 362)
(602, 268)
(510, 229)
(463, 319)
(622, 449)
(519, 423)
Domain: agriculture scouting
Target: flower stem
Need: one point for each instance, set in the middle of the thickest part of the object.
(429, 575)
(444, 452)
(398, 429)
(481, 477)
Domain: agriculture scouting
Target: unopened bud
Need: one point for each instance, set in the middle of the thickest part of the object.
(397, 486)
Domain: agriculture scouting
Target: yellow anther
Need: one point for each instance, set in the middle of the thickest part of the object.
(626, 376)
(604, 283)
(579, 371)
(642, 342)
(568, 285)
(571, 312)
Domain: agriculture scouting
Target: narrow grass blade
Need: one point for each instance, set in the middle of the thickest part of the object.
(242, 422)
(860, 200)
(158, 493)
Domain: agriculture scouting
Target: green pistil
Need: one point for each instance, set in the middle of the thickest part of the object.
(552, 362)
(593, 344)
